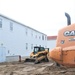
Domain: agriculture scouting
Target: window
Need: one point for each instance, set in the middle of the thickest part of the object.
(0, 23)
(35, 36)
(26, 46)
(26, 31)
(39, 45)
(39, 37)
(31, 46)
(11, 26)
(42, 37)
(31, 33)
(45, 37)
(45, 46)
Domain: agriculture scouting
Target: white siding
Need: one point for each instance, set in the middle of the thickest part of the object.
(15, 40)
(51, 44)
(2, 54)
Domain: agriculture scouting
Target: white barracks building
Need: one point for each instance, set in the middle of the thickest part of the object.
(51, 42)
(18, 39)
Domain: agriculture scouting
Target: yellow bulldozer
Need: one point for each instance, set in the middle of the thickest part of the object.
(38, 55)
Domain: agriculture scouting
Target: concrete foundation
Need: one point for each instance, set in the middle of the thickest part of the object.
(15, 58)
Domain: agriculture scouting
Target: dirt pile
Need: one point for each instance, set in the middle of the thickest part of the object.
(32, 69)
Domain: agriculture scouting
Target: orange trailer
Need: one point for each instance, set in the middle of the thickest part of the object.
(64, 52)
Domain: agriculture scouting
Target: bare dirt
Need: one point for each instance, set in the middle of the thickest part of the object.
(47, 68)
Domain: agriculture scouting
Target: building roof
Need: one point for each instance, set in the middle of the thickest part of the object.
(51, 37)
(20, 23)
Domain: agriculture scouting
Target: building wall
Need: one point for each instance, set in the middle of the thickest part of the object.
(51, 44)
(21, 39)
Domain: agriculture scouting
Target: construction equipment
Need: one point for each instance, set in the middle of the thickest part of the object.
(38, 55)
(64, 52)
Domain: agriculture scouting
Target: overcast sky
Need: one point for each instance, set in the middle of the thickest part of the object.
(46, 16)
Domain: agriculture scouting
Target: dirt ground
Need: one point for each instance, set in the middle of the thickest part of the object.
(47, 68)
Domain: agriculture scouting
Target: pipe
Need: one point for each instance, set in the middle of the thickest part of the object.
(68, 18)
(19, 58)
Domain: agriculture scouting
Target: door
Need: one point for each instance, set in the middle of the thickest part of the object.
(2, 54)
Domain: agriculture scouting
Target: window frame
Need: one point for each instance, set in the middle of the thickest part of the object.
(26, 46)
(11, 26)
(0, 22)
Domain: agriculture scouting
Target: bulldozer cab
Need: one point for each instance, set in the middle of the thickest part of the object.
(39, 54)
(38, 49)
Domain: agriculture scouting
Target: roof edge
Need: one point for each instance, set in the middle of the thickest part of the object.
(21, 23)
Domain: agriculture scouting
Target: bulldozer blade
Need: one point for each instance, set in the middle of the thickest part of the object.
(30, 60)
